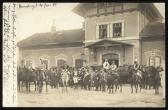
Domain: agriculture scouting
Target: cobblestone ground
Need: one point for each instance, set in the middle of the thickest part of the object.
(82, 98)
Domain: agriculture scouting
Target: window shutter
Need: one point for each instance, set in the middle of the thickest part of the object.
(97, 31)
(108, 30)
(122, 29)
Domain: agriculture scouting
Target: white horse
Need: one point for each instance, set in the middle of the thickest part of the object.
(64, 78)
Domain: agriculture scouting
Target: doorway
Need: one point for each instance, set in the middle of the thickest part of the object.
(111, 57)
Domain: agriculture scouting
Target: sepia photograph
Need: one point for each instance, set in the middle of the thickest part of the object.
(107, 54)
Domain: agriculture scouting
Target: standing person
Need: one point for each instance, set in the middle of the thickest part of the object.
(106, 65)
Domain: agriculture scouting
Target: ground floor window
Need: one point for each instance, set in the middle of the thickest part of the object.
(78, 63)
(61, 63)
(45, 63)
(28, 63)
(154, 61)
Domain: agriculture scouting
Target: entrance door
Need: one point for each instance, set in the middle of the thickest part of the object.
(61, 63)
(111, 57)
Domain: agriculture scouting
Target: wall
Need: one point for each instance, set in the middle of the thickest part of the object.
(130, 24)
(51, 53)
(149, 45)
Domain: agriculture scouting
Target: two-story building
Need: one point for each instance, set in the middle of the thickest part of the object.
(122, 32)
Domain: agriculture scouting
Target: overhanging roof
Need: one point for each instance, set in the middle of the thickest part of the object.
(80, 9)
(104, 41)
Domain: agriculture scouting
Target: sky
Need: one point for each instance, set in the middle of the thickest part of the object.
(38, 20)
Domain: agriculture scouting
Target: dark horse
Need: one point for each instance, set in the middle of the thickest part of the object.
(26, 76)
(134, 79)
(156, 79)
(40, 78)
(112, 81)
(87, 81)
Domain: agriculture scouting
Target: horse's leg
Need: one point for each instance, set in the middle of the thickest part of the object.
(19, 86)
(131, 88)
(136, 87)
(26, 86)
(109, 89)
(29, 86)
(116, 87)
(35, 85)
(46, 86)
(120, 87)
(112, 88)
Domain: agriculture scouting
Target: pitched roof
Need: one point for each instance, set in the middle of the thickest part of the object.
(80, 9)
(48, 38)
(154, 29)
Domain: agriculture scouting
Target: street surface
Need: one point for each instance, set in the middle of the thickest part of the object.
(82, 98)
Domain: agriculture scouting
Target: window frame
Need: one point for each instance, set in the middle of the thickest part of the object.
(110, 29)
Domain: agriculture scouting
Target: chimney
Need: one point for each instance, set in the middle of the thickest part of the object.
(53, 28)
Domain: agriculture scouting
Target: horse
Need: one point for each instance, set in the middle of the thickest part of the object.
(97, 80)
(81, 77)
(156, 79)
(134, 79)
(112, 81)
(64, 79)
(40, 78)
(87, 81)
(20, 77)
(103, 77)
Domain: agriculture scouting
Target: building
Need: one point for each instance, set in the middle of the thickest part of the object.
(123, 32)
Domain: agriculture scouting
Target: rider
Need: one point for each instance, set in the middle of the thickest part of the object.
(113, 66)
(137, 69)
(106, 65)
(136, 66)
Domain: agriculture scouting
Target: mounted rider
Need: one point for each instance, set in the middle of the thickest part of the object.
(136, 68)
(113, 66)
(106, 65)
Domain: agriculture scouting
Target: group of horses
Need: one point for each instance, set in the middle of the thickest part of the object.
(91, 78)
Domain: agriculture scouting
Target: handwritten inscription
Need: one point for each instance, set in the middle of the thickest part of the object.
(9, 49)
(34, 5)
(9, 55)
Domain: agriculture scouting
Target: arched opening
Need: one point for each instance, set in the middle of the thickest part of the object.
(61, 62)
(111, 57)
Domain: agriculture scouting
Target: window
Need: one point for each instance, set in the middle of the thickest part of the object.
(44, 63)
(110, 29)
(103, 31)
(61, 63)
(151, 61)
(78, 63)
(155, 61)
(117, 29)
(28, 63)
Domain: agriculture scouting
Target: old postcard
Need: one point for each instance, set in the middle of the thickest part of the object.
(84, 54)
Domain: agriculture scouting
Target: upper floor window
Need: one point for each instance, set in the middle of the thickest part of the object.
(110, 30)
(103, 31)
(117, 29)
